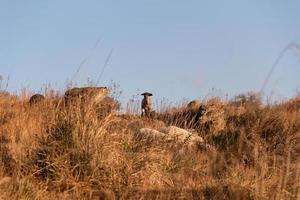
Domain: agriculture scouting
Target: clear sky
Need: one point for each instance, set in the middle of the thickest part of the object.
(173, 48)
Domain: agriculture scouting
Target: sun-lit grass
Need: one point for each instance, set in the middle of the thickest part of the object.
(49, 151)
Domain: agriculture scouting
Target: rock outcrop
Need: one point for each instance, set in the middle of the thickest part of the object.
(85, 95)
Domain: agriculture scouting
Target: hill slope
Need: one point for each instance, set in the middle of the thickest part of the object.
(52, 152)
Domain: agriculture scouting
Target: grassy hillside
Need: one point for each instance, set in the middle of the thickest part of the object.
(48, 151)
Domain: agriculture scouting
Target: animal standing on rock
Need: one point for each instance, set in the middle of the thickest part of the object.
(146, 104)
(36, 98)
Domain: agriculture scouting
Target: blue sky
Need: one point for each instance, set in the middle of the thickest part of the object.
(175, 49)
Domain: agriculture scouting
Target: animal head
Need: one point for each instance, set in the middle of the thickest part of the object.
(145, 94)
(146, 100)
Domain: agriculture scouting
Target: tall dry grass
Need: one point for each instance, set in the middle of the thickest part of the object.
(49, 151)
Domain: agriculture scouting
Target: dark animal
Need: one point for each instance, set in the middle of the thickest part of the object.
(36, 99)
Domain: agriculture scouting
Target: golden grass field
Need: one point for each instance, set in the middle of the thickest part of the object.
(49, 151)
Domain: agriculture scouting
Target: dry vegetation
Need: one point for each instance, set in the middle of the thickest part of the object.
(52, 152)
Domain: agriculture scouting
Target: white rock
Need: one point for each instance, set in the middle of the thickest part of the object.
(171, 134)
(183, 135)
(151, 133)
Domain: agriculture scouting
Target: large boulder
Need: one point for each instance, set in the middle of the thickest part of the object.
(91, 98)
(86, 95)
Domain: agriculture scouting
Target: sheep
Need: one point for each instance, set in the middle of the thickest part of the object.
(36, 98)
(146, 104)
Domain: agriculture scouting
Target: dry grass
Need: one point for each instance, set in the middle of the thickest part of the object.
(51, 152)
